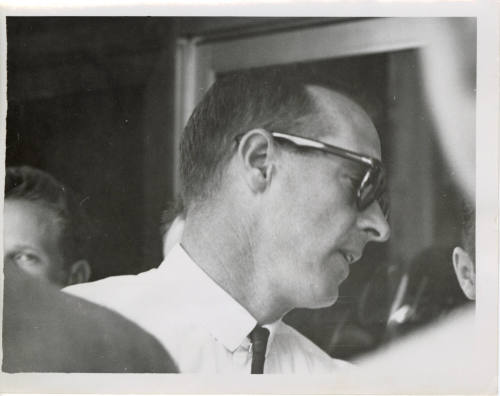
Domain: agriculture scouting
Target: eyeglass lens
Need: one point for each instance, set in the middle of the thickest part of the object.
(373, 188)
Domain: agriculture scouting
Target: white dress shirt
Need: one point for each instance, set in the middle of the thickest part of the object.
(203, 328)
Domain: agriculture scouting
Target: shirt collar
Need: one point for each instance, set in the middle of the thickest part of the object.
(209, 304)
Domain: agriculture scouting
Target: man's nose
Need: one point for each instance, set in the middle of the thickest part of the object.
(374, 223)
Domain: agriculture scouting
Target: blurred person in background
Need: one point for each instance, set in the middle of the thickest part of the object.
(428, 291)
(445, 357)
(452, 102)
(438, 323)
(46, 232)
(46, 241)
(45, 330)
(464, 256)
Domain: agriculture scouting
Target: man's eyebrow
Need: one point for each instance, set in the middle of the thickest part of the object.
(24, 247)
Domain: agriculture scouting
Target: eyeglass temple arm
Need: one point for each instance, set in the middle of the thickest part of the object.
(306, 142)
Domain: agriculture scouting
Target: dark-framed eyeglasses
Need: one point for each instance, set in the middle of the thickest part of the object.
(373, 183)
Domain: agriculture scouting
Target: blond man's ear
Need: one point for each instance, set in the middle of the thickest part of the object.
(465, 271)
(79, 272)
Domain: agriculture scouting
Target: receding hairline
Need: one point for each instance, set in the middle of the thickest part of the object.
(319, 92)
(324, 99)
(334, 106)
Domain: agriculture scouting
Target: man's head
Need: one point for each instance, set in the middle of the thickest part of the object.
(464, 255)
(45, 230)
(294, 208)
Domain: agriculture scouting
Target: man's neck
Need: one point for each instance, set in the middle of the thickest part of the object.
(222, 247)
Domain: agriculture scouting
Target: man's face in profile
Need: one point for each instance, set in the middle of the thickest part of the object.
(318, 230)
(31, 240)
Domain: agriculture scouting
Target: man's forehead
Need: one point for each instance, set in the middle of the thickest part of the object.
(32, 216)
(342, 122)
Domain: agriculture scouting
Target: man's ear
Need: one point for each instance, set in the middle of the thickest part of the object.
(255, 150)
(79, 272)
(466, 272)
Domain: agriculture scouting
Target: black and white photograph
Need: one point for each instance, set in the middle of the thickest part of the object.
(293, 202)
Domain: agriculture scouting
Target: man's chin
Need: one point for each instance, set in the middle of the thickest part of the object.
(326, 300)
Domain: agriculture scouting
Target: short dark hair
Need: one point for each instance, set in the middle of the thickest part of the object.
(34, 185)
(236, 103)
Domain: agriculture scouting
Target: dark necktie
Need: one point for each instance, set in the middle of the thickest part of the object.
(258, 337)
